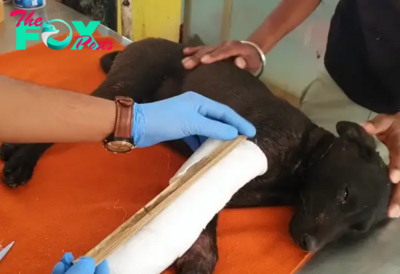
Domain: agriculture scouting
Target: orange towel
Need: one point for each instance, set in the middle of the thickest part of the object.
(80, 193)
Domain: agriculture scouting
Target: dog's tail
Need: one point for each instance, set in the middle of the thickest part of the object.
(107, 60)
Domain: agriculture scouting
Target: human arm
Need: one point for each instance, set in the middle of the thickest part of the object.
(84, 265)
(288, 15)
(284, 19)
(387, 130)
(36, 114)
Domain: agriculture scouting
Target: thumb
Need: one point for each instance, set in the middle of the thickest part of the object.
(102, 268)
(59, 268)
(64, 264)
(394, 208)
(379, 124)
(240, 62)
(192, 141)
(394, 154)
(83, 265)
(213, 129)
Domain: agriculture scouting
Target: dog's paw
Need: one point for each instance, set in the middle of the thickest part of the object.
(201, 258)
(18, 168)
(17, 172)
(7, 150)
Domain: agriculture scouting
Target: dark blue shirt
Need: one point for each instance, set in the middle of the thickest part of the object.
(363, 52)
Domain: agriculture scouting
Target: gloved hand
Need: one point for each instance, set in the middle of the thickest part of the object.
(85, 265)
(185, 116)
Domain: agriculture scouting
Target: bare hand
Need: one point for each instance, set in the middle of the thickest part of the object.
(387, 130)
(247, 56)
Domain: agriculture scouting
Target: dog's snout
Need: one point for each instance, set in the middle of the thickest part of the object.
(308, 243)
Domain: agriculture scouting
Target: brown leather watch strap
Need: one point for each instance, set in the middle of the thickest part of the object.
(123, 123)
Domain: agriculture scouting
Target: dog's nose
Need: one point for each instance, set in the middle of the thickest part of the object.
(308, 243)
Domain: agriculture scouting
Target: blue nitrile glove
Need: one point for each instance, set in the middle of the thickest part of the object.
(187, 115)
(84, 265)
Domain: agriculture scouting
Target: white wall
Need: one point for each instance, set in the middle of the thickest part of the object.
(293, 63)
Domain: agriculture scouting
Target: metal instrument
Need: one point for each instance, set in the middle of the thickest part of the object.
(5, 250)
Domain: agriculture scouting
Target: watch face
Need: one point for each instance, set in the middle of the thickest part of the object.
(119, 146)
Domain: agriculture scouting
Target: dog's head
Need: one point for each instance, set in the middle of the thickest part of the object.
(346, 188)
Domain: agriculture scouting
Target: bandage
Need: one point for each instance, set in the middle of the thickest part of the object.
(174, 230)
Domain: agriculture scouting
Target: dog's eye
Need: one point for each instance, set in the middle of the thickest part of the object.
(345, 195)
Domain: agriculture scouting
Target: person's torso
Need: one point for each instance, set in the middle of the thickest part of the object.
(363, 52)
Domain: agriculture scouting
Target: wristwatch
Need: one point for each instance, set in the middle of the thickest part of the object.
(121, 140)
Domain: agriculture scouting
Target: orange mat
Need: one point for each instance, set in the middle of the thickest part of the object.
(80, 193)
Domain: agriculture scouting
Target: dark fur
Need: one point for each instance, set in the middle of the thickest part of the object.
(338, 185)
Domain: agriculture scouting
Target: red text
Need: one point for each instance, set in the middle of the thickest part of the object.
(92, 45)
(28, 20)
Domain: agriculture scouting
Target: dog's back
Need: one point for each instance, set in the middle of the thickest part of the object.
(151, 70)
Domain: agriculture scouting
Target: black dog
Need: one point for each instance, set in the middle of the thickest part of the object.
(338, 185)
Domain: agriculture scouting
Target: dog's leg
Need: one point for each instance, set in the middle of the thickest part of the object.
(248, 197)
(7, 150)
(141, 69)
(20, 161)
(202, 257)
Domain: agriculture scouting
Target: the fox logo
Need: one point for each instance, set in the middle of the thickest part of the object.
(47, 31)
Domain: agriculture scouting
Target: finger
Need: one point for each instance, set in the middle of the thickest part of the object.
(190, 62)
(102, 268)
(247, 56)
(194, 60)
(191, 50)
(379, 124)
(395, 175)
(394, 208)
(83, 265)
(394, 167)
(221, 53)
(193, 142)
(214, 110)
(212, 129)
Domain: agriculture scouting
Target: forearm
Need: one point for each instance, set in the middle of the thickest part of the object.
(286, 17)
(36, 114)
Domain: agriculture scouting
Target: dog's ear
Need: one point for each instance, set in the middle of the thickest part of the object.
(356, 133)
(316, 135)
(318, 143)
